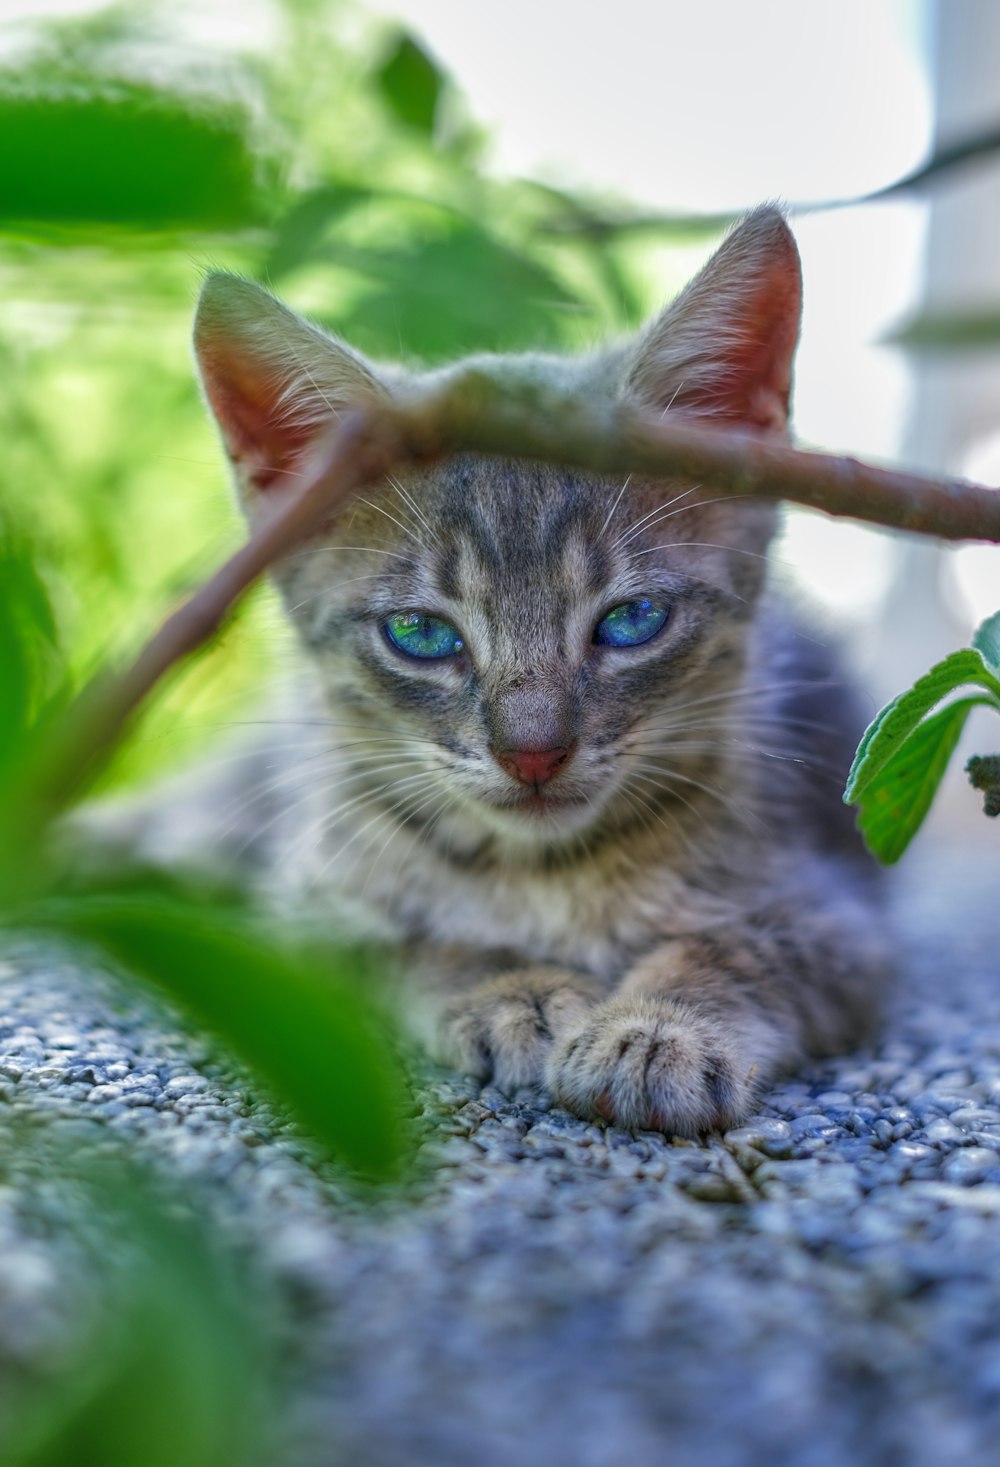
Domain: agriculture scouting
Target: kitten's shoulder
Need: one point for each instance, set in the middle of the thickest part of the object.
(807, 719)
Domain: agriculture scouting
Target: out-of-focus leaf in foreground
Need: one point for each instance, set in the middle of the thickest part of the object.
(33, 694)
(175, 1372)
(29, 657)
(297, 1020)
(298, 237)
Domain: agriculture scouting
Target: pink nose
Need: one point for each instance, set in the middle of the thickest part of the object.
(533, 766)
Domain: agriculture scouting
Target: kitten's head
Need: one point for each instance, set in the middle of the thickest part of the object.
(518, 649)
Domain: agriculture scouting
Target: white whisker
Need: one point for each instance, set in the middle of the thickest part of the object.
(408, 499)
(636, 527)
(611, 512)
(725, 800)
(703, 545)
(654, 516)
(368, 549)
(325, 590)
(381, 509)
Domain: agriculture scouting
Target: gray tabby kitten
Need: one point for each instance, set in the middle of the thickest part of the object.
(566, 762)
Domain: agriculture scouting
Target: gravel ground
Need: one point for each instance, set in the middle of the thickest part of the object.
(820, 1287)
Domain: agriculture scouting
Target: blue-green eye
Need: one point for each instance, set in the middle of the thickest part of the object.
(629, 624)
(423, 636)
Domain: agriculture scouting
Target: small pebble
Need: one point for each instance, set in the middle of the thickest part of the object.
(969, 1165)
(819, 1286)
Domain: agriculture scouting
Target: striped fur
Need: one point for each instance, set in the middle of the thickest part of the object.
(683, 908)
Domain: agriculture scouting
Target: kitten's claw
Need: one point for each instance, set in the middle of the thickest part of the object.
(504, 1029)
(655, 1064)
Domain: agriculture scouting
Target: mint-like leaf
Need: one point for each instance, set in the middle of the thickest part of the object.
(295, 1019)
(896, 799)
(897, 721)
(987, 641)
(411, 83)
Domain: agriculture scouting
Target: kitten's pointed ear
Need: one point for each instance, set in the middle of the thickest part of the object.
(272, 380)
(724, 348)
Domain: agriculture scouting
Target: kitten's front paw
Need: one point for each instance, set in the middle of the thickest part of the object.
(503, 1029)
(655, 1064)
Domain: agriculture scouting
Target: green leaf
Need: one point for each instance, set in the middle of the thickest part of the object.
(896, 800)
(33, 678)
(987, 641)
(411, 83)
(175, 1371)
(17, 683)
(458, 290)
(299, 235)
(33, 693)
(900, 717)
(297, 1021)
(123, 154)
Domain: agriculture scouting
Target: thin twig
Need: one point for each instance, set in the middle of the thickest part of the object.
(502, 408)
(493, 409)
(976, 148)
(357, 452)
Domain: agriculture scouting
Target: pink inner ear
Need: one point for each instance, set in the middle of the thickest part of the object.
(756, 368)
(725, 348)
(245, 394)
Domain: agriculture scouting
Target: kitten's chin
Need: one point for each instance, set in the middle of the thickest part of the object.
(539, 820)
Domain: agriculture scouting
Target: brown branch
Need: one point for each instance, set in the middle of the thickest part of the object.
(491, 409)
(510, 409)
(361, 449)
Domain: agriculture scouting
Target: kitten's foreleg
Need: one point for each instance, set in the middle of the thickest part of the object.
(702, 1022)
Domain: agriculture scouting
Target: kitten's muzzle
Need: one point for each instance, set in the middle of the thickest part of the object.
(534, 766)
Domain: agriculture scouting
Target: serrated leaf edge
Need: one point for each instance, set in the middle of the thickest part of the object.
(887, 853)
(986, 639)
(965, 667)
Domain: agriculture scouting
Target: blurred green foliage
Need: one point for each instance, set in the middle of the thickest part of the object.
(905, 751)
(954, 331)
(134, 157)
(295, 1016)
(296, 1019)
(410, 83)
(173, 1372)
(335, 162)
(347, 173)
(175, 1368)
(29, 651)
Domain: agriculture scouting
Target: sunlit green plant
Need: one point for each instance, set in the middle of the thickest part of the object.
(376, 216)
(175, 1371)
(906, 750)
(295, 1016)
